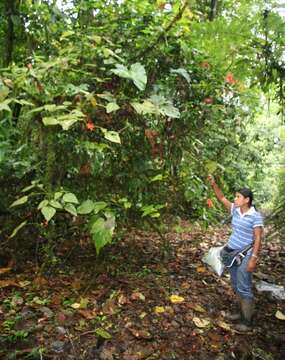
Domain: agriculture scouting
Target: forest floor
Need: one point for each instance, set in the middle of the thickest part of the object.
(138, 302)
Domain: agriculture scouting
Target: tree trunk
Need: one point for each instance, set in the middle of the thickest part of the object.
(10, 34)
(213, 10)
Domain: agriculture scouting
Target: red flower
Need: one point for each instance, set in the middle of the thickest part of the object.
(229, 78)
(210, 203)
(90, 125)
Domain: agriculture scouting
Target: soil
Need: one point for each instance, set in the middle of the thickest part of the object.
(144, 298)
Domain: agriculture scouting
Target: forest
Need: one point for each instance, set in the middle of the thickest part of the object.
(112, 116)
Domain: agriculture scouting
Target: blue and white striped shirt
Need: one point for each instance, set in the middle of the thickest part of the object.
(243, 227)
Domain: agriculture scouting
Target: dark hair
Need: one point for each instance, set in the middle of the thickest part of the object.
(247, 193)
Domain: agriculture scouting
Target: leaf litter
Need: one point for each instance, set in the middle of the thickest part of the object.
(141, 304)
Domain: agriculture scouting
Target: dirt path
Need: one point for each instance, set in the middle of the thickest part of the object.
(137, 303)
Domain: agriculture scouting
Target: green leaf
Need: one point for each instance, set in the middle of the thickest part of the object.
(57, 195)
(151, 210)
(101, 239)
(47, 121)
(112, 136)
(4, 91)
(158, 177)
(108, 52)
(147, 107)
(97, 225)
(4, 106)
(183, 73)
(48, 212)
(66, 34)
(66, 124)
(51, 107)
(17, 229)
(102, 231)
(20, 201)
(70, 198)
(211, 166)
(86, 207)
(158, 105)
(121, 71)
(170, 110)
(136, 73)
(64, 120)
(106, 95)
(112, 106)
(55, 204)
(71, 209)
(103, 333)
(27, 188)
(43, 203)
(95, 146)
(24, 102)
(99, 205)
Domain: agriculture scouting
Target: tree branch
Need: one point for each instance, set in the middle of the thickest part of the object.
(165, 31)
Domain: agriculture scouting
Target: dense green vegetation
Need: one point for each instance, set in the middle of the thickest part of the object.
(115, 112)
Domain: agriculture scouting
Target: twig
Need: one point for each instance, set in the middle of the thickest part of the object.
(166, 30)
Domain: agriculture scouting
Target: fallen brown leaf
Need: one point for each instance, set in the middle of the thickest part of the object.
(5, 270)
(7, 283)
(88, 314)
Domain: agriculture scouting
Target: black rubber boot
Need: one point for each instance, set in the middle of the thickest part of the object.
(247, 309)
(234, 315)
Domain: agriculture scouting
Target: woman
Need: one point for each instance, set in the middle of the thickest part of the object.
(247, 227)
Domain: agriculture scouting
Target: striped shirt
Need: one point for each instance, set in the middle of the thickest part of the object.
(243, 227)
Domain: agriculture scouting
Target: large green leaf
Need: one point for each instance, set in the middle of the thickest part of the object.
(112, 136)
(43, 203)
(49, 120)
(86, 207)
(55, 204)
(170, 110)
(71, 209)
(158, 105)
(65, 120)
(136, 73)
(70, 198)
(112, 106)
(146, 107)
(48, 212)
(102, 232)
(99, 205)
(20, 201)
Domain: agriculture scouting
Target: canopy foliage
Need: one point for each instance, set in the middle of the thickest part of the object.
(118, 110)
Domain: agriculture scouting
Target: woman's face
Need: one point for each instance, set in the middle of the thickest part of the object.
(240, 200)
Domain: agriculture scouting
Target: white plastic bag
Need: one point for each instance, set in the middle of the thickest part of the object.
(212, 258)
(277, 291)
